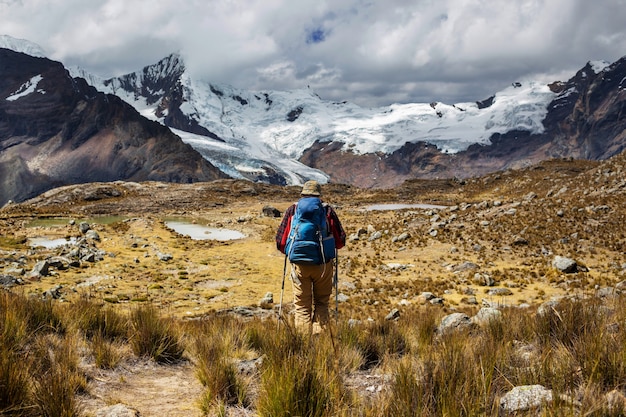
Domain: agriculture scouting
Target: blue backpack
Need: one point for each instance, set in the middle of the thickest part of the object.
(310, 240)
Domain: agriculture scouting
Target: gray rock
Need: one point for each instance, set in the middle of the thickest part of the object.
(342, 298)
(15, 271)
(455, 322)
(41, 269)
(607, 292)
(89, 257)
(393, 315)
(484, 279)
(53, 293)
(564, 264)
(353, 322)
(250, 367)
(500, 292)
(524, 398)
(270, 211)
(8, 281)
(267, 300)
(165, 257)
(83, 227)
(427, 296)
(547, 308)
(402, 237)
(117, 410)
(486, 315)
(520, 241)
(93, 235)
(376, 235)
(58, 262)
(465, 266)
(471, 300)
(530, 196)
(616, 402)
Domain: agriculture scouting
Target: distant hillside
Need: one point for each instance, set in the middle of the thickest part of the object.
(57, 130)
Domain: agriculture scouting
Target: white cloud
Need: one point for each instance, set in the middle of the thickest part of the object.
(370, 52)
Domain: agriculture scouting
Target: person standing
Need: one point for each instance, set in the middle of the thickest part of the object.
(309, 235)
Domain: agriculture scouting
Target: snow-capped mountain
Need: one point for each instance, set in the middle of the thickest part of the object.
(286, 137)
(22, 45)
(262, 134)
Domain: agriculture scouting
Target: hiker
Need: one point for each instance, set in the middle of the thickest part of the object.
(309, 236)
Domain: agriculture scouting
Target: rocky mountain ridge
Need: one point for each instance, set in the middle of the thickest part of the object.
(521, 125)
(57, 130)
(287, 137)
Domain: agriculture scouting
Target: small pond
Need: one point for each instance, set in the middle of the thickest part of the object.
(50, 243)
(199, 232)
(397, 206)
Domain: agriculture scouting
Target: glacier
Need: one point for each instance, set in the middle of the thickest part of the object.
(272, 129)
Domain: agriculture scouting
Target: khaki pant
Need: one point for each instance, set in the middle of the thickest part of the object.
(312, 286)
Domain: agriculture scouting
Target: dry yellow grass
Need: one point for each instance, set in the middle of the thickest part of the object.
(477, 227)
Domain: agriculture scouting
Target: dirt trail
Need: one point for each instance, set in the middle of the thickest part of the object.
(151, 389)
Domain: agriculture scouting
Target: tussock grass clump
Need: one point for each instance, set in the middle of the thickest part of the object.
(154, 336)
(107, 354)
(216, 344)
(23, 316)
(57, 378)
(300, 375)
(374, 341)
(14, 381)
(95, 320)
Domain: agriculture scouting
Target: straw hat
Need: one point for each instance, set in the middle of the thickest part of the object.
(311, 188)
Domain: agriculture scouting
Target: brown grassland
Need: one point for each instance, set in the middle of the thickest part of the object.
(506, 227)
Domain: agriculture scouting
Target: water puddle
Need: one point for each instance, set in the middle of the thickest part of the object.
(50, 243)
(199, 232)
(397, 206)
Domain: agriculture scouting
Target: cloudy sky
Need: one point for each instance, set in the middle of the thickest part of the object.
(371, 52)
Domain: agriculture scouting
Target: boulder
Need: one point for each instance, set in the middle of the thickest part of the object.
(41, 269)
(393, 315)
(270, 211)
(486, 315)
(566, 265)
(524, 398)
(455, 322)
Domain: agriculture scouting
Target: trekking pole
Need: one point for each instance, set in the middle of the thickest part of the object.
(336, 283)
(282, 291)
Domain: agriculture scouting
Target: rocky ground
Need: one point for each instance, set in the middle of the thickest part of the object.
(511, 238)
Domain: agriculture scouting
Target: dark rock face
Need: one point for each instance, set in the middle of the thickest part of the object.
(61, 131)
(587, 120)
(161, 83)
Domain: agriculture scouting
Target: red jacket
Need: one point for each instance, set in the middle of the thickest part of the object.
(333, 221)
